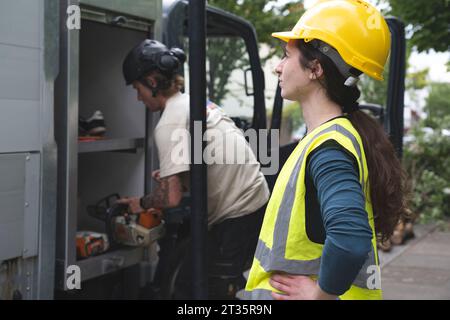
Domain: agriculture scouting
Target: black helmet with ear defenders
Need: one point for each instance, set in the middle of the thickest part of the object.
(151, 55)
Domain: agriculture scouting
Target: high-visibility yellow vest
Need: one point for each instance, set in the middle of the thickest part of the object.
(284, 245)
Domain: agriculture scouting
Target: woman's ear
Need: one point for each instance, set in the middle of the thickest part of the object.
(316, 70)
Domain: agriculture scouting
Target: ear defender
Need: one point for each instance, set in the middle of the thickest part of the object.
(168, 62)
(171, 60)
(179, 53)
(148, 56)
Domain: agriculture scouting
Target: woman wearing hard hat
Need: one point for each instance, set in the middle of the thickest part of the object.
(343, 184)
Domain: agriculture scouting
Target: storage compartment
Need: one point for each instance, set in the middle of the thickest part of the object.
(102, 174)
(102, 169)
(102, 87)
(116, 162)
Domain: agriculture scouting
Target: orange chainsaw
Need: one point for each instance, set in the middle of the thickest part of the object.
(123, 227)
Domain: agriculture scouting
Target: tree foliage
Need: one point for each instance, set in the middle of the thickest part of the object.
(427, 163)
(429, 20)
(427, 160)
(266, 16)
(373, 91)
(226, 54)
(437, 104)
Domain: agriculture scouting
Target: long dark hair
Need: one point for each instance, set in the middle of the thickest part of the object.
(387, 179)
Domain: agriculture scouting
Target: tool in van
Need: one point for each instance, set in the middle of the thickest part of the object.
(122, 227)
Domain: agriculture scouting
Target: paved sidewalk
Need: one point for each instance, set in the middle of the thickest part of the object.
(419, 269)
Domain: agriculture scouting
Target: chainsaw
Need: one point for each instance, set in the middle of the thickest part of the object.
(123, 227)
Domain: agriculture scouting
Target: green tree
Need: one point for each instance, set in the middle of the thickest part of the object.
(427, 24)
(426, 157)
(417, 80)
(437, 104)
(226, 54)
(427, 163)
(373, 91)
(266, 16)
(221, 64)
(428, 20)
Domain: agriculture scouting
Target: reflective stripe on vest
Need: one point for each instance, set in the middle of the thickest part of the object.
(274, 259)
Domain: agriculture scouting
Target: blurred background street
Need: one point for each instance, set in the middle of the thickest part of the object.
(418, 269)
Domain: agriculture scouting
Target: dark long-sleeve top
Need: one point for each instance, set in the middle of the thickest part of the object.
(336, 216)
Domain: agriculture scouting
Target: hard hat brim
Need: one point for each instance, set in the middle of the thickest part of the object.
(286, 36)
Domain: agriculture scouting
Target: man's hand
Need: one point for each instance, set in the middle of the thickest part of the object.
(295, 287)
(133, 203)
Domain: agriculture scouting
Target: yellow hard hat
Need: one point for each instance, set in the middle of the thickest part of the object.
(356, 29)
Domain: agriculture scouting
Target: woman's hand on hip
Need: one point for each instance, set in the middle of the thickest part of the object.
(296, 287)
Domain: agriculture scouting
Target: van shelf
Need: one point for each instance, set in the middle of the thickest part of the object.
(115, 260)
(111, 145)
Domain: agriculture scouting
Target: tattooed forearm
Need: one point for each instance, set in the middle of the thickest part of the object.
(163, 196)
(159, 198)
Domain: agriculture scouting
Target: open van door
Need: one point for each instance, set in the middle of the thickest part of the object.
(234, 73)
(235, 82)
